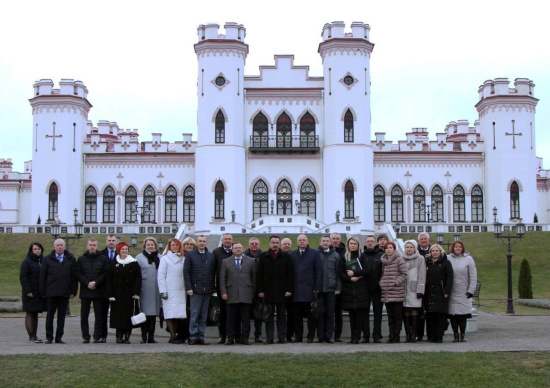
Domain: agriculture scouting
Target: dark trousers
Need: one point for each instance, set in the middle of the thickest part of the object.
(106, 318)
(420, 324)
(356, 319)
(222, 328)
(289, 320)
(99, 325)
(302, 310)
(53, 304)
(338, 320)
(374, 299)
(435, 325)
(238, 320)
(325, 323)
(281, 322)
(395, 317)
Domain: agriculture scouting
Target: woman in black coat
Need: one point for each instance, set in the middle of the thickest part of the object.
(33, 302)
(352, 271)
(439, 283)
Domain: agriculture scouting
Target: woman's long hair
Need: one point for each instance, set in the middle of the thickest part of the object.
(347, 255)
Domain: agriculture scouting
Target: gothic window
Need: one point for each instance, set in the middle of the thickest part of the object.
(171, 205)
(219, 198)
(52, 202)
(459, 205)
(90, 205)
(397, 204)
(148, 205)
(259, 200)
(477, 204)
(259, 129)
(437, 204)
(419, 205)
(284, 198)
(308, 196)
(189, 204)
(220, 127)
(514, 200)
(284, 131)
(130, 202)
(307, 131)
(348, 127)
(349, 200)
(109, 205)
(379, 204)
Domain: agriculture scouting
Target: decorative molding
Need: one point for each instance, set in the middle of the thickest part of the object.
(355, 80)
(113, 186)
(278, 181)
(221, 48)
(469, 192)
(352, 113)
(220, 87)
(381, 185)
(280, 112)
(307, 111)
(225, 116)
(345, 46)
(94, 186)
(214, 185)
(260, 110)
(47, 191)
(313, 180)
(352, 181)
(166, 186)
(281, 96)
(144, 186)
(520, 186)
(137, 159)
(448, 159)
(255, 180)
(184, 187)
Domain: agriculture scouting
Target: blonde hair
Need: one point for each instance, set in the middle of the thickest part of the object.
(347, 255)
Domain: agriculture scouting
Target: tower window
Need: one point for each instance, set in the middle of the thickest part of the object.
(220, 81)
(348, 80)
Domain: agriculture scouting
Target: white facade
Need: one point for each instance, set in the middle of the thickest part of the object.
(283, 151)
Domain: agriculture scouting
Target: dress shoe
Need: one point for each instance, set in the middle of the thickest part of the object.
(245, 342)
(102, 341)
(201, 342)
(221, 340)
(462, 338)
(320, 341)
(192, 342)
(377, 341)
(456, 338)
(36, 340)
(60, 341)
(268, 342)
(338, 339)
(86, 341)
(230, 341)
(297, 340)
(329, 341)
(48, 341)
(310, 340)
(365, 341)
(356, 342)
(281, 341)
(258, 339)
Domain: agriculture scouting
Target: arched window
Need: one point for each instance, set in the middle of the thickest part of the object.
(284, 198)
(307, 131)
(397, 204)
(90, 205)
(52, 201)
(379, 204)
(284, 131)
(477, 204)
(259, 200)
(308, 198)
(109, 205)
(437, 204)
(348, 126)
(514, 200)
(220, 127)
(459, 204)
(171, 205)
(219, 199)
(189, 204)
(349, 200)
(259, 129)
(130, 204)
(419, 204)
(148, 205)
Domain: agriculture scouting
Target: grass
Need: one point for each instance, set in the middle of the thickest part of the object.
(226, 370)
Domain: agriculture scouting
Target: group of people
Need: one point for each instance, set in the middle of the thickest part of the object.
(421, 284)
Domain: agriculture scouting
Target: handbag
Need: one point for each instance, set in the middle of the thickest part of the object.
(139, 318)
(213, 311)
(317, 308)
(262, 311)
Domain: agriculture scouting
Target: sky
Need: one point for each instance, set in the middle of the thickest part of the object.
(137, 59)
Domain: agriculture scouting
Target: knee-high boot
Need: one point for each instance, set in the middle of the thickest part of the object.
(414, 327)
(151, 329)
(407, 324)
(119, 339)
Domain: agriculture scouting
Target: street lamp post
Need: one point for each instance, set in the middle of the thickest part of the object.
(78, 229)
(440, 240)
(509, 241)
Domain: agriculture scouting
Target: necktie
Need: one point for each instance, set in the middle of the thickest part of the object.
(239, 265)
(111, 255)
(60, 258)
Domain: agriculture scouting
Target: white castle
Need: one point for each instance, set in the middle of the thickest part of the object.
(280, 152)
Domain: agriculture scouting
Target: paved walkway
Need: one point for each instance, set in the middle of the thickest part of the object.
(495, 333)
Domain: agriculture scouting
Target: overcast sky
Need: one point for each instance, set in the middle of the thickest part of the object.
(137, 60)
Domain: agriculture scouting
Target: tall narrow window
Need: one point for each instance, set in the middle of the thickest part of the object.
(477, 204)
(514, 200)
(379, 204)
(219, 199)
(130, 203)
(171, 205)
(259, 129)
(397, 204)
(189, 204)
(349, 200)
(459, 204)
(308, 198)
(284, 198)
(90, 205)
(220, 127)
(109, 205)
(52, 201)
(437, 204)
(348, 127)
(419, 204)
(259, 200)
(307, 131)
(284, 131)
(148, 205)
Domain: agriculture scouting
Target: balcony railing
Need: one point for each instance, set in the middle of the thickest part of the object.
(284, 143)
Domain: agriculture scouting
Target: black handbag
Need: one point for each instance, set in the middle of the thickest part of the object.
(317, 308)
(262, 311)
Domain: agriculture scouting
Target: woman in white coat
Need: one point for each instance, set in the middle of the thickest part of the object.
(464, 286)
(172, 288)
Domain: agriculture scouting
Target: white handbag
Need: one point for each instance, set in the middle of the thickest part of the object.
(139, 318)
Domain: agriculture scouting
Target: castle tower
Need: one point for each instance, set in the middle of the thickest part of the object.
(59, 129)
(220, 155)
(507, 125)
(346, 68)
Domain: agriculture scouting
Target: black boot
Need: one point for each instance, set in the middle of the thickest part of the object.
(456, 339)
(119, 337)
(463, 338)
(127, 337)
(407, 324)
(414, 327)
(143, 337)
(151, 329)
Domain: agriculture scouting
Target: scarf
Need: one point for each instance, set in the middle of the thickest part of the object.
(129, 259)
(388, 259)
(152, 257)
(35, 258)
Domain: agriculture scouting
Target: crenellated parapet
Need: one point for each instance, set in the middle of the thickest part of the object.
(497, 95)
(336, 41)
(213, 43)
(71, 96)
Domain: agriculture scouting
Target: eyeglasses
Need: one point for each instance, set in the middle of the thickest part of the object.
(371, 241)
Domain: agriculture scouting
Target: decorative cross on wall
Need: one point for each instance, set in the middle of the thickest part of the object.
(513, 134)
(53, 136)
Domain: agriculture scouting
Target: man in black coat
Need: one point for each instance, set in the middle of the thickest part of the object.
(58, 284)
(91, 271)
(340, 248)
(372, 256)
(220, 254)
(110, 253)
(423, 248)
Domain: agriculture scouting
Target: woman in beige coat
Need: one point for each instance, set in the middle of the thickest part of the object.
(394, 277)
(416, 279)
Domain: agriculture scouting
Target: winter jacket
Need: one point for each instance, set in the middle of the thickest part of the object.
(92, 268)
(374, 269)
(464, 281)
(308, 274)
(124, 281)
(150, 296)
(354, 294)
(58, 279)
(170, 280)
(275, 277)
(330, 261)
(29, 276)
(199, 271)
(439, 281)
(394, 277)
(416, 279)
(220, 254)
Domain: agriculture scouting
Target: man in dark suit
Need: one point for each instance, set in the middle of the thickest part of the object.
(220, 254)
(237, 279)
(423, 248)
(254, 251)
(110, 253)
